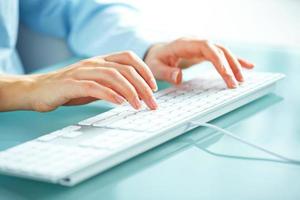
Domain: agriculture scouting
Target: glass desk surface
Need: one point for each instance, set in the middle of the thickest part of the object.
(201, 164)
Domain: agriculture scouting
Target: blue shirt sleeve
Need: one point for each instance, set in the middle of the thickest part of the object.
(90, 27)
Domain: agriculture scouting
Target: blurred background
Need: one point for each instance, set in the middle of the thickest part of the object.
(251, 23)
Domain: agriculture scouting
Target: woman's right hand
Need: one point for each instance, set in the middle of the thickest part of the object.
(115, 78)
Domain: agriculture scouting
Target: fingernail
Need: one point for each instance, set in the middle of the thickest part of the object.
(176, 78)
(119, 99)
(136, 103)
(241, 77)
(234, 83)
(153, 84)
(153, 103)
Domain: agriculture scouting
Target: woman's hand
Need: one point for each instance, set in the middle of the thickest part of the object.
(166, 60)
(115, 78)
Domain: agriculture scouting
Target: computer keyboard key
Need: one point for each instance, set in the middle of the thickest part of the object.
(72, 152)
(72, 134)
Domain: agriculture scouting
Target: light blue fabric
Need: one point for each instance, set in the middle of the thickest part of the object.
(9, 61)
(90, 27)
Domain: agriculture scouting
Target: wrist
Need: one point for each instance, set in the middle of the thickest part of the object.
(15, 92)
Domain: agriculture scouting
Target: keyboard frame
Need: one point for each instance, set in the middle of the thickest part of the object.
(165, 135)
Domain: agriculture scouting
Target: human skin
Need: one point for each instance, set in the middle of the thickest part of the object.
(117, 77)
(167, 60)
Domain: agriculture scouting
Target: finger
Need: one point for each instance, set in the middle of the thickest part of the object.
(185, 48)
(246, 64)
(111, 78)
(167, 73)
(86, 88)
(185, 63)
(129, 58)
(143, 89)
(190, 48)
(80, 101)
(233, 63)
(217, 57)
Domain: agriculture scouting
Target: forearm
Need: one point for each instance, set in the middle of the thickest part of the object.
(15, 92)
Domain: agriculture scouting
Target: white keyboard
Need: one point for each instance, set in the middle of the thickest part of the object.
(75, 153)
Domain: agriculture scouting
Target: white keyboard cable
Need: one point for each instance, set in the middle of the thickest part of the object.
(230, 134)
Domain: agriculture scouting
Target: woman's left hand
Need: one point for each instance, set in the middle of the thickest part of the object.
(166, 60)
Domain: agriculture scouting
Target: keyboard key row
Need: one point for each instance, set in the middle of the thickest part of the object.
(47, 160)
(67, 132)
